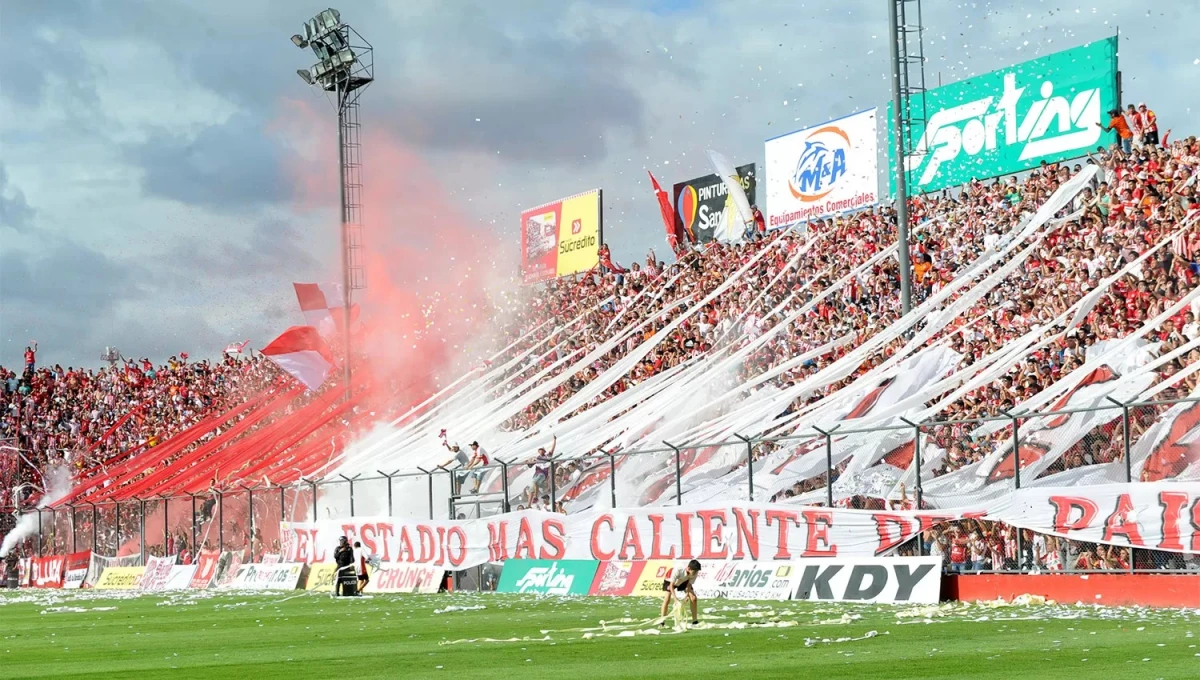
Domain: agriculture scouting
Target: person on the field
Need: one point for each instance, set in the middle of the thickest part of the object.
(360, 565)
(343, 556)
(681, 583)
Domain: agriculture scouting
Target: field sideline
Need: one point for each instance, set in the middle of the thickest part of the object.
(301, 635)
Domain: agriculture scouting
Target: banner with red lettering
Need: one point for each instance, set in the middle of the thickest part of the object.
(1162, 516)
(47, 572)
(158, 572)
(404, 578)
(76, 569)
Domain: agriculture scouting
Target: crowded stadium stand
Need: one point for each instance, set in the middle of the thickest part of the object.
(779, 365)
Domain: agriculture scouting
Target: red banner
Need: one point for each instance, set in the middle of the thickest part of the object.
(616, 578)
(76, 569)
(47, 572)
(206, 568)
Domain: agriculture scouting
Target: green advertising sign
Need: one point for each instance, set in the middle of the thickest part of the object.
(1045, 109)
(548, 577)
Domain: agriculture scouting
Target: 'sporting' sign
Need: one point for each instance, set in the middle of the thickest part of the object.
(548, 577)
(1045, 109)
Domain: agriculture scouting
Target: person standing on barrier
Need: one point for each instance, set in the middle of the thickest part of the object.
(541, 468)
(461, 459)
(479, 460)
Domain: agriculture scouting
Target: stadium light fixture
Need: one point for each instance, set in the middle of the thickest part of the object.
(345, 67)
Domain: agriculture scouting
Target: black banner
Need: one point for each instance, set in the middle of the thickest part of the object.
(701, 208)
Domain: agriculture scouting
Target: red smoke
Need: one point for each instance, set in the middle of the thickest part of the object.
(429, 266)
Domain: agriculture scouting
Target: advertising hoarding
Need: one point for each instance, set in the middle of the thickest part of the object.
(561, 238)
(548, 577)
(746, 580)
(822, 170)
(1006, 121)
(703, 208)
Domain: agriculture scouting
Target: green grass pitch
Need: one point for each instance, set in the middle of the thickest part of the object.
(308, 635)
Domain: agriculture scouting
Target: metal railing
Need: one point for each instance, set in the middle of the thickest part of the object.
(247, 518)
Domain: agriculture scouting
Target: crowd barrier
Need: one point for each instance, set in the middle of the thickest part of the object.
(883, 580)
(888, 579)
(248, 518)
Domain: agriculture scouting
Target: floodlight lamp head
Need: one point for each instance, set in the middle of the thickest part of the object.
(343, 59)
(299, 41)
(320, 49)
(330, 19)
(305, 75)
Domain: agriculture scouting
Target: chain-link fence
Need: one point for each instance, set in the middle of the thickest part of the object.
(909, 464)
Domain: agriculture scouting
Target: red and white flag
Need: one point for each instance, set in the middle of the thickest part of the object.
(302, 352)
(668, 214)
(314, 304)
(236, 347)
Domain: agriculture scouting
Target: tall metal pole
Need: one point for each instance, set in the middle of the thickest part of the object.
(341, 95)
(901, 168)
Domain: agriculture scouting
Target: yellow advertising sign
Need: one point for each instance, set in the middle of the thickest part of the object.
(120, 578)
(562, 238)
(579, 234)
(653, 575)
(320, 577)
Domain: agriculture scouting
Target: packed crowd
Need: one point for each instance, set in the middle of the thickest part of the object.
(1138, 199)
(1142, 193)
(85, 418)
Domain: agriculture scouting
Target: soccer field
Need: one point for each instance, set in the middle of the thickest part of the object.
(303, 635)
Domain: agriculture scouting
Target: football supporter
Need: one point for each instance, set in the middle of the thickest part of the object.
(681, 583)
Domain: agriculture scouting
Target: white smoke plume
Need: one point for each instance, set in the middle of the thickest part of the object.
(59, 481)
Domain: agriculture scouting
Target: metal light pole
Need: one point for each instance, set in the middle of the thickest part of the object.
(901, 167)
(908, 107)
(345, 67)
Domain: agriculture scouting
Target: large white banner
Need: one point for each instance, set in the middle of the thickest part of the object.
(1161, 516)
(822, 170)
(158, 572)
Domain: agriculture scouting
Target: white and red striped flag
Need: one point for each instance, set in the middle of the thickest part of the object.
(236, 347)
(318, 313)
(302, 352)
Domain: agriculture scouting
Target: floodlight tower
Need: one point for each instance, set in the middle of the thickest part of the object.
(908, 107)
(345, 67)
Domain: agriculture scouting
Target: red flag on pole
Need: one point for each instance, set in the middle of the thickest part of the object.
(303, 353)
(668, 214)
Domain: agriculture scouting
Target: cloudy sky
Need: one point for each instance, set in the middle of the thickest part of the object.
(164, 175)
